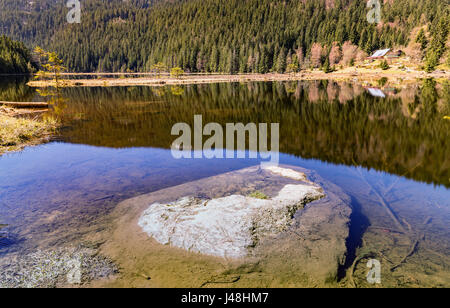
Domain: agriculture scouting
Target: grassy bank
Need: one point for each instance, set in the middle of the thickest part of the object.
(16, 133)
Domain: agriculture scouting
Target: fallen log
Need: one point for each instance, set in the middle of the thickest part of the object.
(410, 253)
(25, 104)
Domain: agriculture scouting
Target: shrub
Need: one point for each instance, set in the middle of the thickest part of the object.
(384, 65)
(176, 72)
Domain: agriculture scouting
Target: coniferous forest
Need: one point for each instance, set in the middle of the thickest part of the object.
(15, 58)
(232, 36)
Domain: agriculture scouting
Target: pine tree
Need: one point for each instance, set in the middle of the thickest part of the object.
(422, 39)
(326, 66)
(281, 62)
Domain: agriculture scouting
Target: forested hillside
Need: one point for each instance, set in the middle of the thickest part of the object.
(14, 57)
(226, 36)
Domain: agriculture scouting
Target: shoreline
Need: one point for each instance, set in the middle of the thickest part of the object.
(358, 75)
(17, 132)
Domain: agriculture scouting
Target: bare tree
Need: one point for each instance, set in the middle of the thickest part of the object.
(316, 55)
(335, 54)
(349, 52)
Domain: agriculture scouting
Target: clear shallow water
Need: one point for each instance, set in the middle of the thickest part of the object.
(390, 155)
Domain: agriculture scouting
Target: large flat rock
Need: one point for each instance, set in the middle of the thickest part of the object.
(180, 234)
(228, 226)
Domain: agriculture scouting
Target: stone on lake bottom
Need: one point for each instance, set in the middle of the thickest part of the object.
(229, 226)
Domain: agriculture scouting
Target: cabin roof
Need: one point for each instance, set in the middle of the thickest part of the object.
(380, 53)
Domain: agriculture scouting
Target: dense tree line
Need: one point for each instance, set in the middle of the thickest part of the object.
(230, 36)
(15, 58)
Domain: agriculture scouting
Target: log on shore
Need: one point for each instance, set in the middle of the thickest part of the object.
(25, 104)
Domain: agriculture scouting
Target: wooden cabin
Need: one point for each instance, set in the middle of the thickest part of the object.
(386, 54)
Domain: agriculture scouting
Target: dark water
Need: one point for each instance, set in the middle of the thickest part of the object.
(391, 155)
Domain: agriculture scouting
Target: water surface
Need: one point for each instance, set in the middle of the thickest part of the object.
(391, 155)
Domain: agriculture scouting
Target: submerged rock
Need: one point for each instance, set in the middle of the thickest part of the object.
(230, 225)
(288, 173)
(310, 250)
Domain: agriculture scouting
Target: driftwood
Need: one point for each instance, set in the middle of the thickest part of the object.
(384, 203)
(25, 104)
(414, 246)
(386, 229)
(400, 222)
(221, 280)
(413, 249)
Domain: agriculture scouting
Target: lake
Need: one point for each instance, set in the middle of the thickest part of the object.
(387, 148)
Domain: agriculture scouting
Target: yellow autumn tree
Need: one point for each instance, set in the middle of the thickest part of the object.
(51, 67)
(176, 72)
